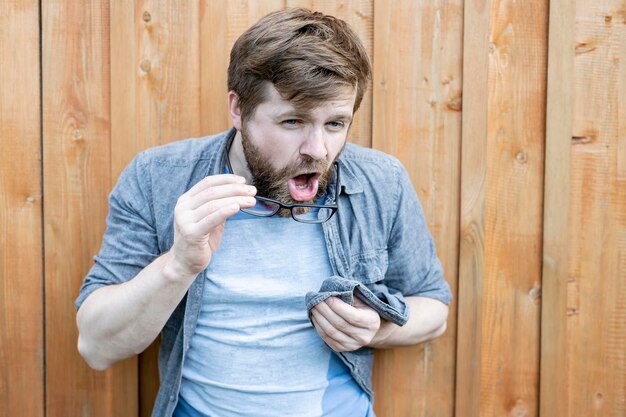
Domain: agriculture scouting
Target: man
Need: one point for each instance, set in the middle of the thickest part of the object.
(271, 258)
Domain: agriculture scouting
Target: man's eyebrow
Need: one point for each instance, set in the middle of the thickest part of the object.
(342, 116)
(301, 114)
(291, 114)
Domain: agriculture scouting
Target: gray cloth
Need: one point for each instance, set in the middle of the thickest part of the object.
(387, 306)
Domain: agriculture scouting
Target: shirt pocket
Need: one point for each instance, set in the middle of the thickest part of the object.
(369, 267)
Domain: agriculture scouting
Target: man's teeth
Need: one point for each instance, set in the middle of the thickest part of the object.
(303, 186)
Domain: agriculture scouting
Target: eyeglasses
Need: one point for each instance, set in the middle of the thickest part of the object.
(303, 213)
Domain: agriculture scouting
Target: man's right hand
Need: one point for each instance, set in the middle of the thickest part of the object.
(199, 219)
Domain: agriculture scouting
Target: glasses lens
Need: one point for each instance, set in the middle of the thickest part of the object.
(311, 215)
(262, 208)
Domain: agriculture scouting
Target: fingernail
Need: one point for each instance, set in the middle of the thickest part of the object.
(251, 190)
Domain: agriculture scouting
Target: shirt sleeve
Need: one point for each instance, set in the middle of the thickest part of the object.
(414, 268)
(130, 240)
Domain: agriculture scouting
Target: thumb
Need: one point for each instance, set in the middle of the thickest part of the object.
(216, 237)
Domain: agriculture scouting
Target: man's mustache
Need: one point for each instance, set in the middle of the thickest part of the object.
(305, 165)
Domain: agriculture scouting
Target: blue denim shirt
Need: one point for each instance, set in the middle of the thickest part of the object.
(377, 240)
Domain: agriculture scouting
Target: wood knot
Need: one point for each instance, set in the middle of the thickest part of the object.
(519, 409)
(535, 295)
(521, 157)
(360, 15)
(77, 135)
(580, 140)
(584, 47)
(598, 401)
(147, 17)
(145, 65)
(455, 103)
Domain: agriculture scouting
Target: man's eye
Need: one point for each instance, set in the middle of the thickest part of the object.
(335, 125)
(290, 122)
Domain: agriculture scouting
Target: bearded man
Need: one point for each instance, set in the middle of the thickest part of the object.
(274, 257)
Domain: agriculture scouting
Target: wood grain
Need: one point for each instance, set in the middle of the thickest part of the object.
(155, 77)
(555, 345)
(77, 180)
(501, 229)
(472, 222)
(595, 315)
(214, 59)
(516, 114)
(416, 108)
(21, 282)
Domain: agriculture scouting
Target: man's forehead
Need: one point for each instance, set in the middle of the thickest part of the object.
(342, 103)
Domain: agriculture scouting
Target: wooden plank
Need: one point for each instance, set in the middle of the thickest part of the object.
(583, 359)
(21, 289)
(472, 222)
(596, 289)
(244, 13)
(359, 14)
(214, 59)
(155, 78)
(77, 180)
(555, 346)
(416, 107)
(513, 209)
(126, 60)
(502, 190)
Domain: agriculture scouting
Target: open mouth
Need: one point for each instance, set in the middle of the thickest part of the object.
(304, 187)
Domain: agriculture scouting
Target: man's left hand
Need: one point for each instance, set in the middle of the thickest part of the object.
(345, 327)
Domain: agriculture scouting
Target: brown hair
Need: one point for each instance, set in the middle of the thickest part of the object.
(307, 56)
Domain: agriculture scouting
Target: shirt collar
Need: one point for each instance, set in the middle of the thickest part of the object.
(349, 181)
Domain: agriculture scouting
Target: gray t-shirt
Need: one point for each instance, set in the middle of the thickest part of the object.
(254, 350)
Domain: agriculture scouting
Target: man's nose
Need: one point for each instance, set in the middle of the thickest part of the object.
(314, 144)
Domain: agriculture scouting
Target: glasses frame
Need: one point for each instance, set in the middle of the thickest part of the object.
(289, 206)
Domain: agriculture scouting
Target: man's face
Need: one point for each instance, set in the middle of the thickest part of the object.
(289, 152)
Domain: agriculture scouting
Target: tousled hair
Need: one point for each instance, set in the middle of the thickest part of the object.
(308, 57)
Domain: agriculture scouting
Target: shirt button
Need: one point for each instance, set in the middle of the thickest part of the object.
(172, 398)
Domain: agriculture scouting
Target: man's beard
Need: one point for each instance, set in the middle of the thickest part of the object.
(272, 183)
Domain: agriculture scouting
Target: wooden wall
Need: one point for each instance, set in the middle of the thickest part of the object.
(510, 117)
(22, 352)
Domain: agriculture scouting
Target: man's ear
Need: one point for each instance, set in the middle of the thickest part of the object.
(234, 109)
